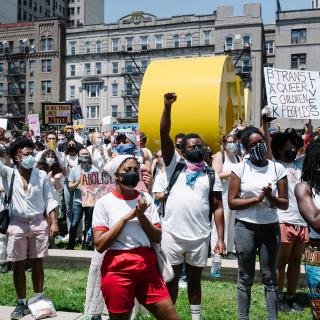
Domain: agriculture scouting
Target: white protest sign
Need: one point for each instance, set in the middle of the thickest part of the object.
(3, 123)
(293, 94)
(34, 124)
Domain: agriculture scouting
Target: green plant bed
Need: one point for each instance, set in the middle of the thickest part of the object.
(67, 290)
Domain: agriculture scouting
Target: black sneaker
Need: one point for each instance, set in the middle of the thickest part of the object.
(283, 306)
(20, 311)
(294, 305)
(5, 267)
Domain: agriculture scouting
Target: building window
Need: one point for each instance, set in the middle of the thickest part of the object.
(188, 39)
(22, 45)
(129, 66)
(2, 46)
(72, 47)
(144, 65)
(72, 92)
(206, 38)
(269, 65)
(22, 67)
(269, 47)
(114, 111)
(246, 41)
(1, 89)
(78, 10)
(87, 68)
(176, 41)
(115, 67)
(87, 48)
(98, 46)
(228, 45)
(93, 90)
(46, 43)
(129, 42)
(30, 4)
(98, 67)
(31, 88)
(144, 43)
(298, 61)
(128, 111)
(115, 45)
(1, 67)
(159, 42)
(71, 11)
(114, 89)
(46, 65)
(72, 70)
(46, 86)
(32, 45)
(92, 112)
(298, 36)
(129, 89)
(246, 65)
(22, 87)
(31, 67)
(30, 107)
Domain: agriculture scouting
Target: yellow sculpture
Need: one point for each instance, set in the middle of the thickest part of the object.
(210, 98)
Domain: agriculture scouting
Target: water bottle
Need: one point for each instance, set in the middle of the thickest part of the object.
(216, 266)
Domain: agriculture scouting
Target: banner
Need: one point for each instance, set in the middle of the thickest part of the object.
(57, 114)
(293, 94)
(94, 185)
(130, 130)
(34, 124)
(3, 123)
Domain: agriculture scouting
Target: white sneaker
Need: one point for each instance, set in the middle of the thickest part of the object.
(183, 283)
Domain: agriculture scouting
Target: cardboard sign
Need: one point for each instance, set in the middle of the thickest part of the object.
(293, 94)
(76, 109)
(94, 185)
(130, 130)
(34, 124)
(57, 114)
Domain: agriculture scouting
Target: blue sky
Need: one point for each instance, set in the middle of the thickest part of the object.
(115, 9)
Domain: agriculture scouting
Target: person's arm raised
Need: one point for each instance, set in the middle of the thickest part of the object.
(167, 146)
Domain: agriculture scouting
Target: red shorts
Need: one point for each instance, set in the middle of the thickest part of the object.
(129, 274)
(291, 233)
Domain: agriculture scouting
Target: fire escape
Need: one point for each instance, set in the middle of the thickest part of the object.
(15, 94)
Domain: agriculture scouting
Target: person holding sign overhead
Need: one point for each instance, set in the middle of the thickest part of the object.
(75, 181)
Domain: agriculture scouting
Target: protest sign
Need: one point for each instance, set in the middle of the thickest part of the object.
(293, 94)
(57, 114)
(34, 124)
(3, 123)
(130, 130)
(94, 185)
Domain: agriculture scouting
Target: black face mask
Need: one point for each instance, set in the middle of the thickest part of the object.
(194, 155)
(178, 146)
(129, 179)
(106, 141)
(69, 136)
(290, 155)
(72, 149)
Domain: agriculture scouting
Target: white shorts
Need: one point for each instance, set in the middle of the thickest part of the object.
(194, 253)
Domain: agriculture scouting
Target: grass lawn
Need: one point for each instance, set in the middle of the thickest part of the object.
(67, 290)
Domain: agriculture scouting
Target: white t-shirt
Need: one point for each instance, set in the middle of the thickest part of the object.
(71, 161)
(99, 157)
(187, 207)
(253, 179)
(108, 211)
(292, 214)
(160, 183)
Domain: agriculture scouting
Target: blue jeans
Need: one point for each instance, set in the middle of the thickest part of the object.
(251, 239)
(75, 219)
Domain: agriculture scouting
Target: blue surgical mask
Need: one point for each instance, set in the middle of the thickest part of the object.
(28, 162)
(127, 148)
(232, 147)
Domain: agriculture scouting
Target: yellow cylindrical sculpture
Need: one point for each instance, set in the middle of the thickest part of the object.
(208, 98)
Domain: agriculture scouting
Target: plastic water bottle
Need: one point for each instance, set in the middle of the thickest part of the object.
(216, 266)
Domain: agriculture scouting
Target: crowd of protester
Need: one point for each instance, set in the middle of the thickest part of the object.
(258, 195)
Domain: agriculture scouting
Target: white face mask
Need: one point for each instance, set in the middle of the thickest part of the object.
(28, 162)
(50, 161)
(98, 142)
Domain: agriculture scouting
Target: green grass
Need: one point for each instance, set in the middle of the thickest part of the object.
(67, 290)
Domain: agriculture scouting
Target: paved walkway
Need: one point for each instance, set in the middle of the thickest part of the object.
(6, 311)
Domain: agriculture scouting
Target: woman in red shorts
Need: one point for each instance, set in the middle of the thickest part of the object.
(124, 224)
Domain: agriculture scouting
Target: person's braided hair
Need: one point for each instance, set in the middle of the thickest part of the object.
(311, 166)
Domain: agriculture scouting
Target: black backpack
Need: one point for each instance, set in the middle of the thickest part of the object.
(179, 167)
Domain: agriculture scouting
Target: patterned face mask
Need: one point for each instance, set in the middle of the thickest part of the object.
(258, 152)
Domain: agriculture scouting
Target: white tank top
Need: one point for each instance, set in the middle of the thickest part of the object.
(228, 165)
(313, 234)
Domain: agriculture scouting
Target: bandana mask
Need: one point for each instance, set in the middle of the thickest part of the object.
(258, 152)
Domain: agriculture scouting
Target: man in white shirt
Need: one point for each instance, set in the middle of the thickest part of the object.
(32, 220)
(186, 225)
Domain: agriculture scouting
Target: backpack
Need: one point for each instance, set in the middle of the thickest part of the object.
(179, 167)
